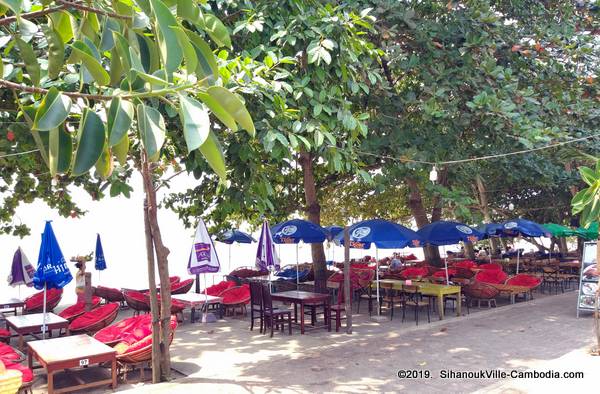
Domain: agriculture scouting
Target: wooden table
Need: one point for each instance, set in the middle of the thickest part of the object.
(303, 297)
(194, 300)
(511, 290)
(430, 289)
(32, 324)
(77, 351)
(11, 303)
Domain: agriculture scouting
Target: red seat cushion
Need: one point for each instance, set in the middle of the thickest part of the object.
(131, 329)
(78, 308)
(524, 280)
(27, 374)
(92, 317)
(174, 279)
(179, 285)
(410, 257)
(140, 339)
(491, 276)
(414, 272)
(491, 266)
(442, 273)
(137, 295)
(7, 353)
(217, 289)
(35, 301)
(236, 295)
(4, 333)
(467, 264)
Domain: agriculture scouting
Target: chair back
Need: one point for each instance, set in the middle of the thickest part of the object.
(256, 298)
(267, 301)
(411, 292)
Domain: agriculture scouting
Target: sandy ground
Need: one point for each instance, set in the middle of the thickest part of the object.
(541, 335)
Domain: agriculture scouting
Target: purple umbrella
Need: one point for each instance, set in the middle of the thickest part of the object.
(266, 257)
(21, 272)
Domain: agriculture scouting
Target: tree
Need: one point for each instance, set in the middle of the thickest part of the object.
(115, 73)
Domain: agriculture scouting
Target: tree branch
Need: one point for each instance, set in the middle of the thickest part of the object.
(98, 11)
(31, 15)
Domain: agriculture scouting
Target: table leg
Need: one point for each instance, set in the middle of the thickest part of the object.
(50, 382)
(295, 312)
(301, 317)
(113, 370)
(20, 342)
(30, 359)
(192, 313)
(459, 304)
(328, 315)
(440, 305)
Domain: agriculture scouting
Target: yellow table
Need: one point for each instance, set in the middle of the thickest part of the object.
(430, 289)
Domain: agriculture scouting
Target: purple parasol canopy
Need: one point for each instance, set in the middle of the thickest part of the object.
(21, 272)
(266, 257)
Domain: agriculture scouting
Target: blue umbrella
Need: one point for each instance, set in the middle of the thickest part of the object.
(231, 236)
(382, 233)
(296, 230)
(333, 231)
(100, 263)
(523, 228)
(449, 233)
(491, 230)
(52, 271)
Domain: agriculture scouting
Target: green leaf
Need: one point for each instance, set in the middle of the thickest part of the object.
(152, 130)
(188, 10)
(119, 117)
(216, 30)
(121, 149)
(170, 50)
(104, 165)
(207, 64)
(14, 5)
(60, 149)
(232, 104)
(588, 175)
(30, 58)
(107, 42)
(1, 68)
(53, 110)
(196, 124)
(189, 53)
(62, 22)
(212, 152)
(56, 52)
(84, 54)
(91, 139)
(217, 110)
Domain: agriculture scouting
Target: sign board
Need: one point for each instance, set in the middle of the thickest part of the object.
(588, 281)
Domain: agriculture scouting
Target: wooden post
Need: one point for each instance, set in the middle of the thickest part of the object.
(347, 290)
(88, 291)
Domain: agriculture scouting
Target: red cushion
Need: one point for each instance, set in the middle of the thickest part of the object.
(132, 343)
(468, 264)
(491, 276)
(78, 308)
(92, 317)
(491, 266)
(4, 333)
(7, 353)
(217, 289)
(414, 272)
(174, 279)
(137, 295)
(35, 301)
(179, 285)
(236, 295)
(524, 280)
(131, 329)
(410, 257)
(442, 273)
(27, 374)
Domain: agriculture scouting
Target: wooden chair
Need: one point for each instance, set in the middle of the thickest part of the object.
(365, 291)
(413, 298)
(551, 278)
(273, 316)
(336, 310)
(256, 305)
(390, 298)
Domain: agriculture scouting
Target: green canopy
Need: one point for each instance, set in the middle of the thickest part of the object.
(588, 233)
(560, 231)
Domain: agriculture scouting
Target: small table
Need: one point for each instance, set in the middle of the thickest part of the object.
(32, 324)
(511, 290)
(11, 304)
(193, 300)
(303, 297)
(78, 351)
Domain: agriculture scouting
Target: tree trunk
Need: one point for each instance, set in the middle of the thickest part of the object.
(485, 209)
(469, 250)
(162, 253)
(415, 204)
(313, 212)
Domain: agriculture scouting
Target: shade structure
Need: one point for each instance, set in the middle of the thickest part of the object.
(491, 230)
(524, 228)
(296, 230)
(235, 236)
(266, 256)
(52, 270)
(441, 233)
(21, 271)
(382, 233)
(100, 261)
(203, 256)
(588, 233)
(333, 231)
(560, 231)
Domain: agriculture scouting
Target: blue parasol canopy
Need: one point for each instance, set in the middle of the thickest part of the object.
(296, 230)
(231, 236)
(333, 231)
(382, 233)
(52, 270)
(100, 263)
(524, 228)
(449, 233)
(491, 230)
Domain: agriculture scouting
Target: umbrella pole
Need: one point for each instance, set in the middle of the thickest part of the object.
(297, 278)
(377, 274)
(446, 264)
(491, 249)
(44, 314)
(205, 317)
(229, 259)
(518, 258)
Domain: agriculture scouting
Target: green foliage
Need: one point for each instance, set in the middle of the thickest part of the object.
(587, 201)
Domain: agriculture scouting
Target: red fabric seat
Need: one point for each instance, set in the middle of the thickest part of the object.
(137, 295)
(128, 330)
(92, 317)
(491, 266)
(36, 300)
(414, 272)
(442, 273)
(109, 294)
(362, 266)
(236, 295)
(4, 333)
(180, 287)
(174, 279)
(220, 287)
(27, 374)
(491, 276)
(525, 280)
(410, 257)
(7, 353)
(467, 264)
(77, 309)
(140, 339)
